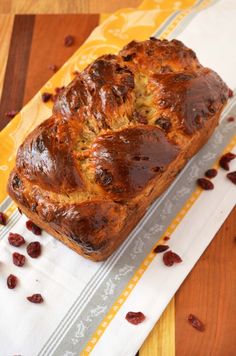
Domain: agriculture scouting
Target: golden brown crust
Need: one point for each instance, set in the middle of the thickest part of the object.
(119, 134)
(125, 161)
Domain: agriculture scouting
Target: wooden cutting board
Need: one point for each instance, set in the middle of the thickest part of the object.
(29, 45)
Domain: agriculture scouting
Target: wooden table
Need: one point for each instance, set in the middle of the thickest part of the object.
(210, 289)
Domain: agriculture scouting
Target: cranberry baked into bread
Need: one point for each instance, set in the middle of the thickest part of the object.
(119, 134)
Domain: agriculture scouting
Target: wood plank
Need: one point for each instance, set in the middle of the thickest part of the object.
(161, 340)
(209, 292)
(6, 22)
(48, 45)
(65, 6)
(16, 69)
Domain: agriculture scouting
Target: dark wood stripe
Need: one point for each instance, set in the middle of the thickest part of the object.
(17, 64)
(48, 45)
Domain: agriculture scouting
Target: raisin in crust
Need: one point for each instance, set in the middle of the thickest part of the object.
(118, 135)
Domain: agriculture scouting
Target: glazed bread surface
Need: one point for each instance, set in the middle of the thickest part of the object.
(119, 134)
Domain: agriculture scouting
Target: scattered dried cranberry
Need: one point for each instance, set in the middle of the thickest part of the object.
(11, 281)
(135, 317)
(35, 298)
(16, 240)
(211, 173)
(160, 248)
(34, 228)
(53, 68)
(58, 90)
(230, 93)
(11, 114)
(166, 238)
(225, 159)
(3, 219)
(196, 323)
(46, 97)
(169, 258)
(18, 259)
(69, 41)
(232, 177)
(205, 184)
(230, 119)
(34, 249)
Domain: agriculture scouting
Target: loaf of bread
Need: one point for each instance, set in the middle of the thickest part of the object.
(119, 134)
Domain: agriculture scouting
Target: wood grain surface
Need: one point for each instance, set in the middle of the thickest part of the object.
(48, 43)
(209, 290)
(6, 23)
(63, 6)
(17, 64)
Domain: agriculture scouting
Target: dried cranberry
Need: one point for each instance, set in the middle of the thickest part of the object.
(128, 57)
(211, 173)
(11, 281)
(35, 298)
(230, 119)
(135, 317)
(53, 67)
(18, 259)
(58, 90)
(166, 238)
(230, 93)
(3, 219)
(69, 41)
(232, 177)
(164, 123)
(196, 323)
(205, 184)
(11, 114)
(160, 248)
(225, 159)
(46, 97)
(34, 228)
(16, 182)
(103, 177)
(34, 249)
(169, 258)
(16, 240)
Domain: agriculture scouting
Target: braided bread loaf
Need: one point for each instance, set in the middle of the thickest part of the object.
(119, 134)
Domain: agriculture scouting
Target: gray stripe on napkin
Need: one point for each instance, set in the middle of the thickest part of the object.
(181, 25)
(5, 204)
(186, 21)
